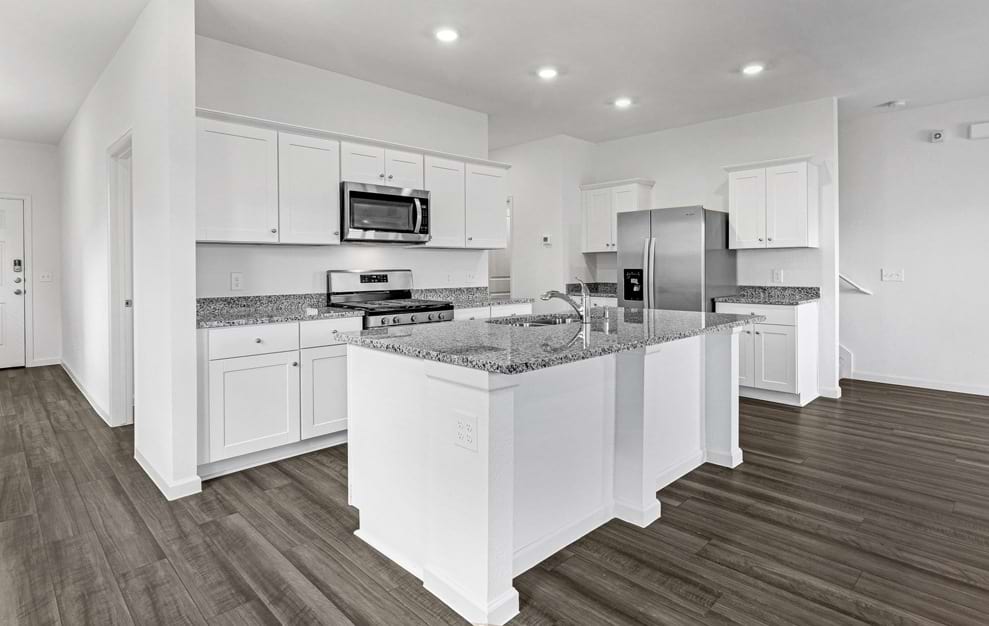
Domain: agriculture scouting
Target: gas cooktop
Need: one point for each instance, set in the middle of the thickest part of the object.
(385, 296)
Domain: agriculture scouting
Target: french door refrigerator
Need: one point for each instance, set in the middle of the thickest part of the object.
(675, 258)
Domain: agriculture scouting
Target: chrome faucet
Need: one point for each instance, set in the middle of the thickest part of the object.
(583, 309)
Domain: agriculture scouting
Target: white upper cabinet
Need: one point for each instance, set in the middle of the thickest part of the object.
(403, 169)
(774, 206)
(372, 165)
(236, 183)
(445, 180)
(602, 202)
(598, 217)
(747, 209)
(308, 189)
(487, 206)
(362, 164)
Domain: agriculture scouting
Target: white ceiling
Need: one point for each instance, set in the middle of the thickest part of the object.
(51, 53)
(678, 59)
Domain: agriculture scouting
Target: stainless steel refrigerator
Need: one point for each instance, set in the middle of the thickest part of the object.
(675, 258)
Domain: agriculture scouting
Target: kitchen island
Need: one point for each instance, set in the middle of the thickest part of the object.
(479, 448)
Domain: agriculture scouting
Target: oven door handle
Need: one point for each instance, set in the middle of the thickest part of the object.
(418, 206)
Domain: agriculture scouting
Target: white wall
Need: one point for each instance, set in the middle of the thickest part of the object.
(31, 169)
(909, 204)
(148, 89)
(687, 165)
(239, 80)
(545, 185)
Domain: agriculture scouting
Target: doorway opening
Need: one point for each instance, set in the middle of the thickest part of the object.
(500, 261)
(120, 201)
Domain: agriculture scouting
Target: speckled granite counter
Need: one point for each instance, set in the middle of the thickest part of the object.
(467, 297)
(598, 290)
(492, 301)
(785, 296)
(502, 348)
(248, 310)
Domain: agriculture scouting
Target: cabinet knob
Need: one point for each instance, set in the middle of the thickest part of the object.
(295, 364)
(770, 239)
(381, 175)
(390, 176)
(757, 332)
(336, 232)
(274, 230)
(760, 238)
(470, 239)
(257, 340)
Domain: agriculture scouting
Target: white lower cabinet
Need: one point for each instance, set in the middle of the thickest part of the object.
(777, 359)
(253, 403)
(324, 390)
(473, 313)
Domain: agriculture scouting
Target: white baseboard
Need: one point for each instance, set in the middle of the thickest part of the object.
(262, 457)
(103, 413)
(534, 553)
(640, 518)
(52, 360)
(171, 490)
(497, 612)
(679, 469)
(724, 459)
(779, 397)
(830, 392)
(940, 385)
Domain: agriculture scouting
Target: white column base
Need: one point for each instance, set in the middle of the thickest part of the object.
(496, 612)
(731, 459)
(637, 516)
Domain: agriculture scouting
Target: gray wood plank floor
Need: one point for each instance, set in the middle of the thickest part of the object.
(869, 509)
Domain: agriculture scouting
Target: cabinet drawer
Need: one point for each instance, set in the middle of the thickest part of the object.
(504, 310)
(782, 315)
(600, 301)
(324, 332)
(476, 313)
(225, 343)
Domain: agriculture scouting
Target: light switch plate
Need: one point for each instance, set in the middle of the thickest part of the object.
(777, 275)
(893, 276)
(236, 281)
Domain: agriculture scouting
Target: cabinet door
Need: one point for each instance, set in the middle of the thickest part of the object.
(253, 403)
(447, 209)
(786, 205)
(236, 183)
(747, 209)
(623, 199)
(775, 358)
(308, 189)
(487, 207)
(599, 220)
(403, 169)
(362, 164)
(324, 391)
(746, 356)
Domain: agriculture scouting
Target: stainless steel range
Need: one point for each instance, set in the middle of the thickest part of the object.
(385, 296)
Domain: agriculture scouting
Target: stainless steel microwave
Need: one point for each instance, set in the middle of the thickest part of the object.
(376, 213)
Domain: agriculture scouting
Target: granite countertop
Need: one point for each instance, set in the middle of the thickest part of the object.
(781, 296)
(598, 290)
(489, 301)
(505, 349)
(247, 316)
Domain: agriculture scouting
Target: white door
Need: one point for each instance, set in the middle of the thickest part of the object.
(747, 209)
(362, 164)
(403, 169)
(487, 207)
(775, 358)
(599, 219)
(13, 282)
(786, 205)
(324, 390)
(308, 189)
(746, 356)
(236, 183)
(253, 403)
(623, 199)
(447, 210)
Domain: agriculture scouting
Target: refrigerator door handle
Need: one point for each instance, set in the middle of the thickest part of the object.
(645, 273)
(652, 273)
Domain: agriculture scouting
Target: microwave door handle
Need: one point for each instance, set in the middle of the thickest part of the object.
(418, 206)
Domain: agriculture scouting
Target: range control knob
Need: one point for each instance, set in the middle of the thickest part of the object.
(384, 320)
(430, 317)
(394, 320)
(412, 318)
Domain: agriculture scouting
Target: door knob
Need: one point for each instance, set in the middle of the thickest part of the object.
(18, 280)
(18, 292)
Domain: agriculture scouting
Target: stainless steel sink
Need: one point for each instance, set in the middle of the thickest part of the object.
(535, 321)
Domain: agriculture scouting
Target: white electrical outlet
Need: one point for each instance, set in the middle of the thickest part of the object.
(45, 277)
(467, 431)
(470, 278)
(777, 275)
(236, 281)
(893, 276)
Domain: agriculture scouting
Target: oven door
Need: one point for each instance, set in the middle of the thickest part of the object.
(384, 214)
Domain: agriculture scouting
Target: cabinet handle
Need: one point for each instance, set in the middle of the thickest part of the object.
(470, 239)
(335, 331)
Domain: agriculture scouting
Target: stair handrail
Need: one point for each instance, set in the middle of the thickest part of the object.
(855, 285)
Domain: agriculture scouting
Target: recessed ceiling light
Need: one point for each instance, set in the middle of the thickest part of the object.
(447, 35)
(547, 73)
(623, 103)
(753, 68)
